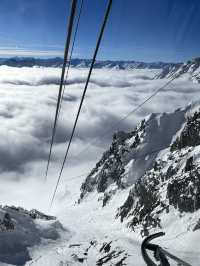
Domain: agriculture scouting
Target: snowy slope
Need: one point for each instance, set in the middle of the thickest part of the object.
(132, 154)
(20, 230)
(187, 71)
(165, 194)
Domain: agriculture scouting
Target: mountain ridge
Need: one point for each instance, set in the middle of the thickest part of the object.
(82, 63)
(169, 180)
(190, 70)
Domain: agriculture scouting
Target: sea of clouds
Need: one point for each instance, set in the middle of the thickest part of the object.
(27, 108)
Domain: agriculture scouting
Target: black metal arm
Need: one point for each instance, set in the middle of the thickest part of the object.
(159, 253)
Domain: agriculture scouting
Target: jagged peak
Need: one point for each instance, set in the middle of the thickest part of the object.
(132, 153)
(169, 179)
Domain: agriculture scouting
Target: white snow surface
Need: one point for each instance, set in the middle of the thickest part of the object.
(89, 222)
(158, 136)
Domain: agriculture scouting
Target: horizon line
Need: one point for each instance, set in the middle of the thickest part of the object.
(45, 55)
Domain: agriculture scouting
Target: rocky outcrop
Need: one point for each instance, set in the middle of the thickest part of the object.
(173, 181)
(197, 226)
(190, 135)
(144, 198)
(6, 223)
(111, 167)
(34, 214)
(132, 154)
(170, 180)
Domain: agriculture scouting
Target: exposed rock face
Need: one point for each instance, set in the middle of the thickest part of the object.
(6, 222)
(173, 181)
(143, 199)
(132, 154)
(157, 190)
(190, 135)
(111, 167)
(197, 226)
(106, 253)
(34, 214)
(184, 193)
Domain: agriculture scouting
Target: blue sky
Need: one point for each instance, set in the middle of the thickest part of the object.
(147, 30)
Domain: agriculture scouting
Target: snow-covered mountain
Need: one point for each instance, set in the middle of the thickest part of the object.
(158, 163)
(82, 63)
(21, 229)
(187, 71)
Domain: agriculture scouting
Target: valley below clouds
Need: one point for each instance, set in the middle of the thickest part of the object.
(27, 108)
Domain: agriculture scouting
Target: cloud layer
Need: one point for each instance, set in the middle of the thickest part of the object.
(27, 108)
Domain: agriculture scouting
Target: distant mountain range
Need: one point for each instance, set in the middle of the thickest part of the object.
(76, 62)
(188, 71)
